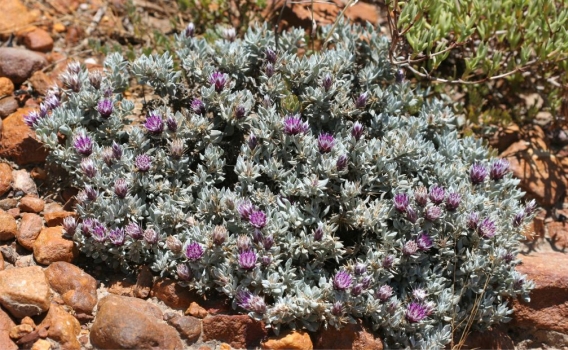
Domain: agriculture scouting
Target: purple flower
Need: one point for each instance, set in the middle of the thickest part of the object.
(399, 76)
(151, 236)
(243, 243)
(71, 81)
(487, 228)
(453, 201)
(240, 112)
(326, 82)
(198, 107)
(265, 260)
(477, 173)
(401, 201)
(74, 67)
(90, 193)
(433, 213)
(116, 150)
(325, 142)
(424, 241)
(51, 102)
(357, 130)
(387, 261)
(421, 196)
(105, 107)
(245, 209)
(519, 218)
(411, 214)
(268, 242)
(357, 289)
(32, 118)
(293, 125)
(252, 141)
(508, 257)
(88, 167)
(193, 251)
(342, 162)
(366, 282)
(69, 225)
(219, 235)
(416, 312)
(437, 194)
(342, 280)
(247, 259)
(361, 101)
(189, 31)
(269, 69)
(99, 232)
(87, 226)
(384, 293)
(83, 144)
(134, 230)
(120, 188)
(107, 156)
(472, 220)
(419, 294)
(229, 34)
(270, 56)
(337, 309)
(183, 272)
(154, 123)
(360, 269)
(410, 248)
(219, 80)
(116, 236)
(499, 169)
(95, 78)
(257, 235)
(318, 234)
(530, 208)
(143, 162)
(251, 302)
(172, 124)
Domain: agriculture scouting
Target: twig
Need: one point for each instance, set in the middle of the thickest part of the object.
(339, 16)
(96, 20)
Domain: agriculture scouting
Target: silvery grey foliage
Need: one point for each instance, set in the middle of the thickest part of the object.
(312, 189)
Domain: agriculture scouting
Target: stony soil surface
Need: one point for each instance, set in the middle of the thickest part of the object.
(52, 297)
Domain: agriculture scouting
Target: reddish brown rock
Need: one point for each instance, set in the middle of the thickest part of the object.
(42, 82)
(24, 291)
(41, 344)
(240, 331)
(131, 323)
(6, 86)
(352, 336)
(15, 212)
(38, 40)
(8, 226)
(30, 227)
(23, 182)
(172, 294)
(558, 234)
(77, 288)
(19, 142)
(289, 340)
(8, 105)
(15, 16)
(505, 137)
(31, 204)
(189, 327)
(121, 286)
(20, 330)
(50, 246)
(548, 308)
(144, 283)
(494, 338)
(19, 64)
(6, 324)
(196, 310)
(6, 178)
(62, 327)
(540, 172)
(56, 218)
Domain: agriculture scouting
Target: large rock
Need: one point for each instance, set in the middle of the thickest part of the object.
(539, 170)
(6, 86)
(6, 324)
(239, 331)
(6, 178)
(352, 336)
(30, 227)
(24, 291)
(189, 327)
(23, 182)
(8, 226)
(31, 204)
(77, 288)
(172, 294)
(19, 64)
(19, 142)
(38, 40)
(15, 16)
(298, 340)
(62, 327)
(131, 323)
(548, 308)
(8, 105)
(56, 218)
(50, 246)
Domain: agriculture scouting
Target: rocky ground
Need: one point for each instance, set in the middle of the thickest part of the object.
(53, 298)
